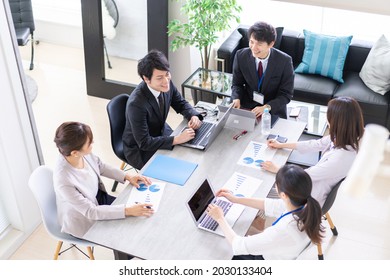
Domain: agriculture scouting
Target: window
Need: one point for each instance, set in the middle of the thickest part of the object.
(4, 223)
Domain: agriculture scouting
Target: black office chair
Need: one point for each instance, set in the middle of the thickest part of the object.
(325, 211)
(23, 19)
(116, 110)
(114, 13)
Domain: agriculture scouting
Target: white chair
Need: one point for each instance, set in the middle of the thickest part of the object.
(41, 184)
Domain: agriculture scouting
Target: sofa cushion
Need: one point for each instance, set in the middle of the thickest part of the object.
(324, 55)
(314, 88)
(245, 39)
(375, 72)
(374, 106)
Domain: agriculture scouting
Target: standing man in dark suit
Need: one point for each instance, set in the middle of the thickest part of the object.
(147, 109)
(262, 76)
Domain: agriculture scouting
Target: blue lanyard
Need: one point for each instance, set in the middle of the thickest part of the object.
(285, 214)
(261, 80)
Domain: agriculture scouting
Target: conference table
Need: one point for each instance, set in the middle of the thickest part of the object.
(171, 233)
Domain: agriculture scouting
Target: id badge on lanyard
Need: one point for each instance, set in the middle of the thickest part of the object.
(258, 97)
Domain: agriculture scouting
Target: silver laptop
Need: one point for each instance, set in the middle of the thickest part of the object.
(244, 119)
(208, 131)
(201, 198)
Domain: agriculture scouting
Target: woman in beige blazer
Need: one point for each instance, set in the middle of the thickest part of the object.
(81, 196)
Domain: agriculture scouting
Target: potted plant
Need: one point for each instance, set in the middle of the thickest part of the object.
(206, 18)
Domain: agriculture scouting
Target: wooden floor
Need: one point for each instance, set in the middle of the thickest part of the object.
(363, 224)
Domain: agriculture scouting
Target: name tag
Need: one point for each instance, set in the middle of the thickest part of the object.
(258, 97)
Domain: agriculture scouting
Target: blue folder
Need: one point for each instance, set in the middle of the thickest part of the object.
(170, 169)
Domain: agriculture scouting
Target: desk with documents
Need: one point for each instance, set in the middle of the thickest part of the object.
(171, 233)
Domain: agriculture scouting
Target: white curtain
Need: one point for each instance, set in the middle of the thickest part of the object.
(4, 223)
(372, 6)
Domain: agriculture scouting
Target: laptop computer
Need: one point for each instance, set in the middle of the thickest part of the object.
(207, 133)
(201, 198)
(244, 119)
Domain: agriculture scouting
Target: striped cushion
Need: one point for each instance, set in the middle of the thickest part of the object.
(324, 55)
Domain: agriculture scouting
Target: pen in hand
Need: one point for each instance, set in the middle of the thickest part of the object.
(149, 207)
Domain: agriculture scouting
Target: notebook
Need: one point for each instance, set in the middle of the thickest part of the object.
(197, 205)
(207, 133)
(244, 119)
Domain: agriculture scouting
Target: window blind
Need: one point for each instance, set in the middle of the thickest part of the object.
(4, 223)
(372, 6)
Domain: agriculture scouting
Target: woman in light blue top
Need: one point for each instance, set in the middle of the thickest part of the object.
(298, 223)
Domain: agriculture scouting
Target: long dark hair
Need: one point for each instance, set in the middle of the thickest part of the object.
(296, 184)
(71, 136)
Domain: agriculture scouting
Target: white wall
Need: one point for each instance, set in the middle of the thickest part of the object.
(18, 153)
(60, 22)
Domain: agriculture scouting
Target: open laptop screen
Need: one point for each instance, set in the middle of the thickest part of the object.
(201, 199)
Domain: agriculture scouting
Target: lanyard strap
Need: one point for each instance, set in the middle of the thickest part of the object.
(285, 214)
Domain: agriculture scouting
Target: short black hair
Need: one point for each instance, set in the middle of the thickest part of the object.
(153, 60)
(262, 32)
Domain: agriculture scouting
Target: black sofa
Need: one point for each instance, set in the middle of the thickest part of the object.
(315, 88)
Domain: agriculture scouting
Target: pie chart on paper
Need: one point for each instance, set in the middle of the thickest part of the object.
(154, 188)
(142, 188)
(248, 160)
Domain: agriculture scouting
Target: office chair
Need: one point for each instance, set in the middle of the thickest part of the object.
(325, 211)
(113, 12)
(116, 110)
(41, 185)
(22, 16)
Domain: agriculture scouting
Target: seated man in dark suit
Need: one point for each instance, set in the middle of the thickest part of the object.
(147, 109)
(262, 76)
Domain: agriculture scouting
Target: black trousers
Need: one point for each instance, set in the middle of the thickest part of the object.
(248, 257)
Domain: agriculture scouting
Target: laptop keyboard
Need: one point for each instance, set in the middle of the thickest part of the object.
(200, 132)
(210, 223)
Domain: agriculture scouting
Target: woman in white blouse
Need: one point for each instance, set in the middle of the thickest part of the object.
(80, 194)
(299, 219)
(338, 149)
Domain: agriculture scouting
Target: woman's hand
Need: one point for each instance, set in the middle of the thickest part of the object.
(215, 212)
(142, 209)
(227, 194)
(270, 166)
(273, 143)
(134, 180)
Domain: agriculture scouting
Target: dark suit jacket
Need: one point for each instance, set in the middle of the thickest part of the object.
(146, 130)
(277, 85)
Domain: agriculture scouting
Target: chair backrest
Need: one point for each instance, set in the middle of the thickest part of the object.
(41, 185)
(112, 10)
(116, 110)
(331, 197)
(22, 14)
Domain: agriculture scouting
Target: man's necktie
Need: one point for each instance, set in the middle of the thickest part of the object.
(161, 103)
(260, 69)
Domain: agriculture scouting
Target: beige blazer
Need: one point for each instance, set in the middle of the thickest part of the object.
(76, 191)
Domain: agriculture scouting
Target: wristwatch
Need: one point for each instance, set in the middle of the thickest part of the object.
(268, 106)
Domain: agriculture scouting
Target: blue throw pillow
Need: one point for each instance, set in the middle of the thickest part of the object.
(324, 55)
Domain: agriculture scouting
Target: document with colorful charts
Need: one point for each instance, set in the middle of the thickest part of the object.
(255, 153)
(241, 186)
(147, 194)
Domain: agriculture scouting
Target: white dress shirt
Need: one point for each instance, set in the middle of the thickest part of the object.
(331, 168)
(283, 241)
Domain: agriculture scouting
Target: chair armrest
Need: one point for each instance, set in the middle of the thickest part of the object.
(227, 51)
